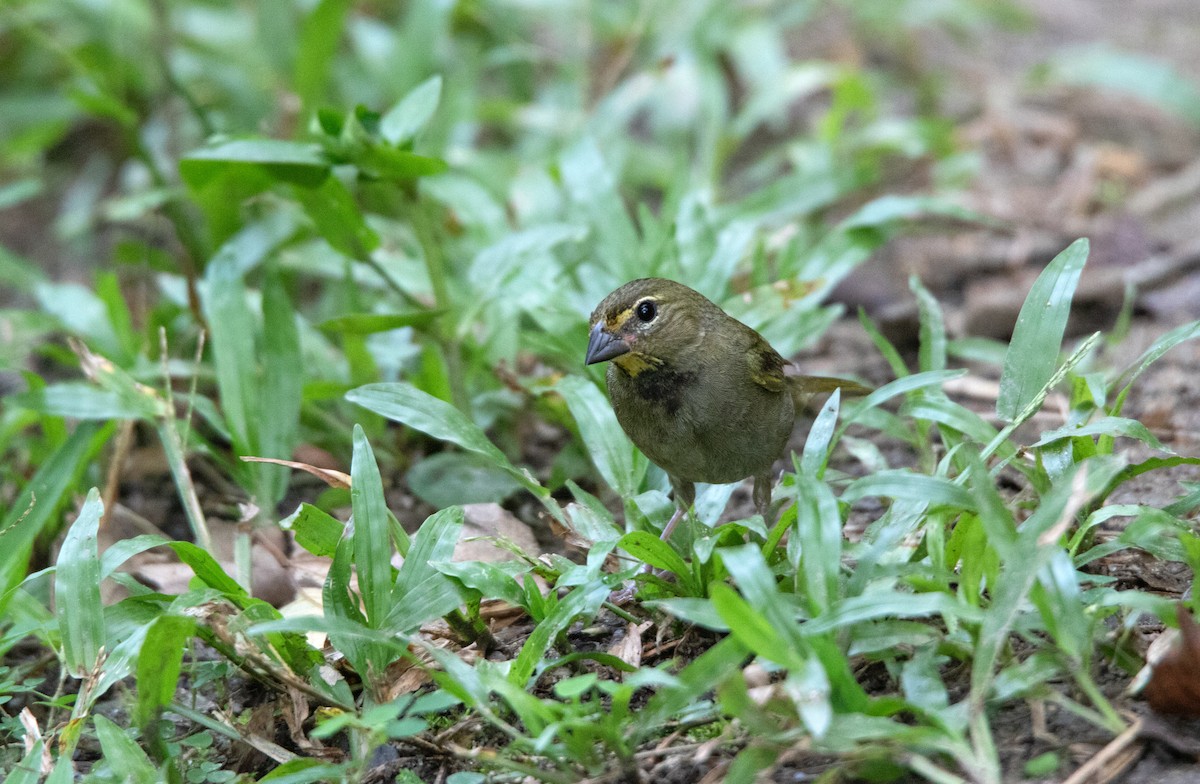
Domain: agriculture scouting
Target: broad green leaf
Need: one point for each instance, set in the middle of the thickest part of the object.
(124, 757)
(120, 320)
(611, 451)
(388, 163)
(1037, 338)
(751, 627)
(28, 770)
(648, 548)
(1029, 555)
(881, 604)
(77, 590)
(819, 534)
(348, 630)
(410, 406)
(892, 208)
(208, 570)
(338, 218)
(284, 161)
(79, 400)
(901, 386)
(402, 122)
(1106, 426)
(319, 37)
(692, 610)
(316, 531)
(372, 548)
(591, 184)
(491, 580)
(159, 664)
(450, 478)
(809, 688)
(81, 312)
(371, 323)
(302, 771)
(906, 485)
(937, 408)
(1150, 79)
(119, 552)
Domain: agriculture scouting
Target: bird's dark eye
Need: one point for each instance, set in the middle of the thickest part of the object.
(646, 311)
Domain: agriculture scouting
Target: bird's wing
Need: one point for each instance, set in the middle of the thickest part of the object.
(766, 365)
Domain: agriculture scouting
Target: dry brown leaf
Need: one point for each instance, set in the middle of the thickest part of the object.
(33, 733)
(629, 648)
(329, 476)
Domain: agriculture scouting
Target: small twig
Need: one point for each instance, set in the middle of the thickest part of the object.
(1110, 761)
(112, 479)
(269, 748)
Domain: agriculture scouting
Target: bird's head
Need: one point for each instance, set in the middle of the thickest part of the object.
(646, 323)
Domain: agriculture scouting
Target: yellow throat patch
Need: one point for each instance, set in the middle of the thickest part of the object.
(635, 362)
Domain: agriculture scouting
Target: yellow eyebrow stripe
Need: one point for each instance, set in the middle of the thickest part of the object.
(615, 322)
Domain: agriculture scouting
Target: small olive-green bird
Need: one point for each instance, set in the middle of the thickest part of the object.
(700, 393)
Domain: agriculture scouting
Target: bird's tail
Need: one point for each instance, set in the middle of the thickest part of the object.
(804, 387)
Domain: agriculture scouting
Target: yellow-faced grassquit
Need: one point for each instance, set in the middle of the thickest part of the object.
(700, 393)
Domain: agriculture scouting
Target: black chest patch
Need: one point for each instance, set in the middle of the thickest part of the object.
(664, 386)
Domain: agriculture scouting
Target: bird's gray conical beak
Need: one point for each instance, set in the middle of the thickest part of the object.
(603, 346)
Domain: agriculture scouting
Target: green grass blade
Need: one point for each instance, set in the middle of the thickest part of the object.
(819, 534)
(402, 122)
(1161, 346)
(319, 37)
(232, 330)
(77, 590)
(79, 400)
(34, 508)
(752, 628)
(591, 185)
(372, 545)
(883, 345)
(706, 671)
(932, 351)
(820, 437)
(282, 387)
(421, 591)
(1037, 338)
